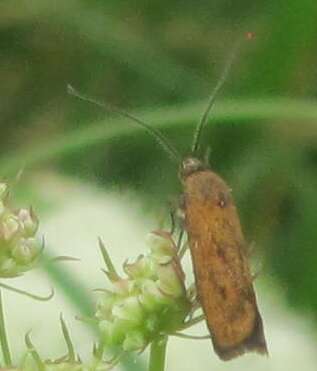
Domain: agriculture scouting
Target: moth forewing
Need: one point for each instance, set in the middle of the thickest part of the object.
(221, 268)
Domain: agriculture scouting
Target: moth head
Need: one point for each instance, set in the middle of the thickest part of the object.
(191, 165)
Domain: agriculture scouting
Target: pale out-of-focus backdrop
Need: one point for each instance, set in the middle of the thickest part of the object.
(90, 174)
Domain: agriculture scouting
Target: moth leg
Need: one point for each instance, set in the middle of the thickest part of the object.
(183, 249)
(254, 276)
(259, 269)
(257, 273)
(181, 211)
(180, 239)
(193, 322)
(251, 249)
(193, 337)
(207, 156)
(174, 215)
(195, 307)
(192, 293)
(173, 224)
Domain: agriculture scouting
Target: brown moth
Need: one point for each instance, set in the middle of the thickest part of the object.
(217, 245)
(220, 262)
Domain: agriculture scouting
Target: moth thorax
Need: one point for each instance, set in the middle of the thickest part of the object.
(189, 166)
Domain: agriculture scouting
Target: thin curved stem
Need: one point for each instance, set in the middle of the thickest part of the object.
(28, 294)
(158, 354)
(104, 132)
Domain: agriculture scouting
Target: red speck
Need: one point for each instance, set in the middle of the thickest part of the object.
(250, 35)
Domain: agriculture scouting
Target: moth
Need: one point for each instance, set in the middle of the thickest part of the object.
(217, 245)
(220, 261)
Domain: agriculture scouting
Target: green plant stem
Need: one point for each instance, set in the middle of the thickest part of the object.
(3, 338)
(158, 354)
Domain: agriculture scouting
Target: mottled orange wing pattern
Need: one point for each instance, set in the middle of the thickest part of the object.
(221, 268)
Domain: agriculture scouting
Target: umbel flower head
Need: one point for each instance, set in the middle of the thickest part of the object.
(19, 249)
(149, 301)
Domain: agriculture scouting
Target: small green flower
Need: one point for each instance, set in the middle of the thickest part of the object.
(134, 340)
(19, 248)
(150, 301)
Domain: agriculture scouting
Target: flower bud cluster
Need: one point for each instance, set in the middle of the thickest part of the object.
(149, 301)
(19, 249)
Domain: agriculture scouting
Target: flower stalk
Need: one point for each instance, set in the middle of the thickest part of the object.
(158, 354)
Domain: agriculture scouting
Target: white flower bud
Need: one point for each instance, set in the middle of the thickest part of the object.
(3, 191)
(10, 227)
(2, 208)
(28, 221)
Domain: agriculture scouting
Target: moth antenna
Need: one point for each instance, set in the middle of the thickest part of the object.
(223, 77)
(156, 134)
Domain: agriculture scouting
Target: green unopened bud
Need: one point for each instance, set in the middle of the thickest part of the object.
(134, 340)
(113, 332)
(25, 250)
(8, 268)
(129, 309)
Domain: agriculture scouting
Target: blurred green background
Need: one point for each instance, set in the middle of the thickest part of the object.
(160, 60)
